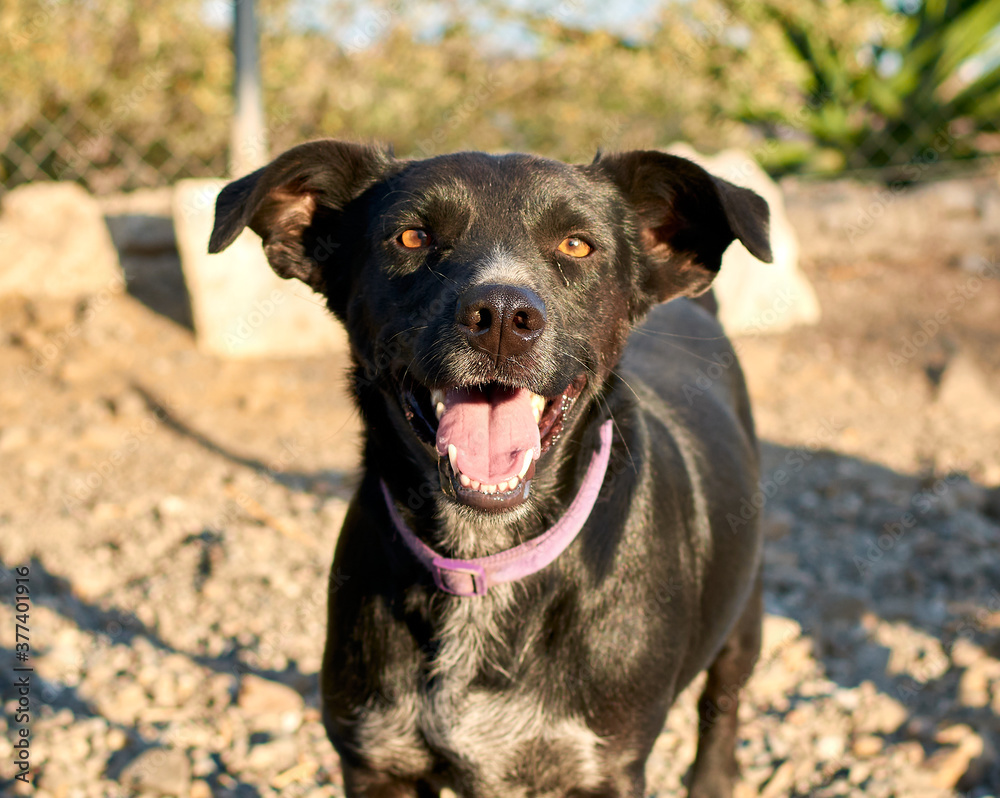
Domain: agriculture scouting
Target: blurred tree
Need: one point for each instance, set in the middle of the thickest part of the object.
(124, 85)
(135, 92)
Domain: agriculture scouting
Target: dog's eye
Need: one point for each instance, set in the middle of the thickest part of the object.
(414, 238)
(575, 247)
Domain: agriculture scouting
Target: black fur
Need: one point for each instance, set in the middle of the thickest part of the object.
(556, 685)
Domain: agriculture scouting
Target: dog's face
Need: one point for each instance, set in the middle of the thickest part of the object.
(488, 298)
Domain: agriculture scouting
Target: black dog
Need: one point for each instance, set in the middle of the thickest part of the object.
(513, 408)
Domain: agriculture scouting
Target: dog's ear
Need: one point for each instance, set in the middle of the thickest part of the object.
(687, 218)
(280, 202)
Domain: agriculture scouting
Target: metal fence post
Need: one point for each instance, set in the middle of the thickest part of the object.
(248, 145)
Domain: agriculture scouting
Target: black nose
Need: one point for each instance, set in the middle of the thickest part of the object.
(501, 320)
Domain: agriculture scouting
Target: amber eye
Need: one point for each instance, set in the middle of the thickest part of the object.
(415, 238)
(575, 247)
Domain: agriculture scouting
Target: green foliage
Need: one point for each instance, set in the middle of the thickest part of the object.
(900, 90)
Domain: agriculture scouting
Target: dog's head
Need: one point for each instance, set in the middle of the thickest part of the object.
(487, 298)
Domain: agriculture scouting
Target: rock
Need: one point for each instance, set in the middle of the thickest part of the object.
(241, 308)
(965, 653)
(912, 652)
(259, 696)
(778, 633)
(946, 767)
(171, 506)
(116, 739)
(59, 777)
(829, 747)
(755, 297)
(163, 771)
(780, 782)
(274, 755)
(125, 704)
(964, 393)
(200, 789)
(777, 523)
(867, 745)
(859, 772)
(911, 752)
(55, 244)
(301, 772)
(882, 715)
(974, 688)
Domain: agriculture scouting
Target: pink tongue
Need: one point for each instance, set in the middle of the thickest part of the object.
(491, 431)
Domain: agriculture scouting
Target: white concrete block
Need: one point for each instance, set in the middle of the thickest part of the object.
(241, 308)
(757, 297)
(54, 243)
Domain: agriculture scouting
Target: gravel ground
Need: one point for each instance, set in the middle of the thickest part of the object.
(177, 515)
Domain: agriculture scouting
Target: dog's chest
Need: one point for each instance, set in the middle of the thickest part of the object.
(502, 740)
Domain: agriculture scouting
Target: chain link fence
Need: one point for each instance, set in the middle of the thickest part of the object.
(70, 142)
(73, 142)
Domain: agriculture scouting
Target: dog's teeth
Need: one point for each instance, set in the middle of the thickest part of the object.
(538, 405)
(453, 457)
(502, 487)
(489, 488)
(527, 463)
(474, 484)
(514, 482)
(464, 480)
(437, 397)
(439, 409)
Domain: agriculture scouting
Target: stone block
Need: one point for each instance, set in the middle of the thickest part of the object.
(54, 243)
(241, 308)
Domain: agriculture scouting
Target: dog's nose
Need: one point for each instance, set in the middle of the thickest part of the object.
(501, 320)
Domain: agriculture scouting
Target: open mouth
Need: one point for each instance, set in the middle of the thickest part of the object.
(488, 437)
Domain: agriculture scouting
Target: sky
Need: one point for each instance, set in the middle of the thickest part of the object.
(629, 18)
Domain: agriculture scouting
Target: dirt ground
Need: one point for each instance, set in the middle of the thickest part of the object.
(176, 515)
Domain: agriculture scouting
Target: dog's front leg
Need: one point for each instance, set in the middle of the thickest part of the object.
(715, 770)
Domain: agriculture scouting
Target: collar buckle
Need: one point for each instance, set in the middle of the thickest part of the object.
(459, 577)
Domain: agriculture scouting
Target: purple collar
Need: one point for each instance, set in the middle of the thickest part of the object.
(474, 577)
